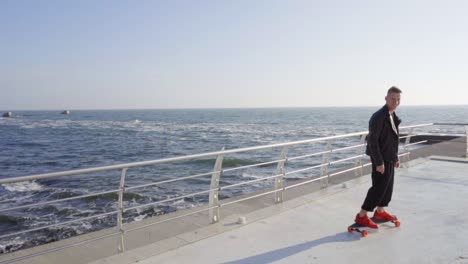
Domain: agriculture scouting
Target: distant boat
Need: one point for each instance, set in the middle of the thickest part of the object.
(66, 112)
(7, 114)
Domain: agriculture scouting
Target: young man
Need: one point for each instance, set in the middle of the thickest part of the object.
(382, 147)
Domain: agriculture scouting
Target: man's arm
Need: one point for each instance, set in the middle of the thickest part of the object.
(375, 129)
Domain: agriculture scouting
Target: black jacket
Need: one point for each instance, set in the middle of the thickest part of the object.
(382, 141)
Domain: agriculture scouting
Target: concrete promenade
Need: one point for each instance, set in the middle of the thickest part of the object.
(430, 198)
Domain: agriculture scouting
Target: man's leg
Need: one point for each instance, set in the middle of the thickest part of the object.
(387, 197)
(380, 193)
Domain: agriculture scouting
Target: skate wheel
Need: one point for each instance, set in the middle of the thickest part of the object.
(397, 223)
(350, 229)
(364, 233)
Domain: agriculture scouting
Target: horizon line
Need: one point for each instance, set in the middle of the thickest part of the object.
(221, 108)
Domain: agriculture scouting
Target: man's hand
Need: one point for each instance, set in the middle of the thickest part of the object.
(380, 169)
(397, 164)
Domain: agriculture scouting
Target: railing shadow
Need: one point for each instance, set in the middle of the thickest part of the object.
(278, 254)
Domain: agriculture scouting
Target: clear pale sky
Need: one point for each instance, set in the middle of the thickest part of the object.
(222, 54)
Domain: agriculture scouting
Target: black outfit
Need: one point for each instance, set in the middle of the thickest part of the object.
(382, 147)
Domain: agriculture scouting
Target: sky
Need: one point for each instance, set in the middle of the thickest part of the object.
(160, 54)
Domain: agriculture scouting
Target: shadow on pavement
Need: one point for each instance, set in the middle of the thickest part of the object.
(282, 253)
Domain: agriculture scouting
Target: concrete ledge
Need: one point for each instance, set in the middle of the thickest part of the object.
(453, 159)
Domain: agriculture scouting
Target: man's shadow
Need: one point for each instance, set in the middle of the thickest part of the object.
(282, 253)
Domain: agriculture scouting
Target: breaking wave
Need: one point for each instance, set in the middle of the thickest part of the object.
(23, 186)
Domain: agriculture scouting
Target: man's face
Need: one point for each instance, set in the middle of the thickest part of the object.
(393, 101)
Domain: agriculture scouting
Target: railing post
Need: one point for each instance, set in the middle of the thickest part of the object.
(360, 151)
(325, 160)
(279, 180)
(466, 141)
(121, 246)
(405, 147)
(214, 187)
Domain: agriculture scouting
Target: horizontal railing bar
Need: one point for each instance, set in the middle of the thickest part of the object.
(404, 154)
(57, 201)
(247, 182)
(250, 197)
(306, 169)
(171, 180)
(174, 159)
(323, 152)
(305, 182)
(310, 155)
(58, 224)
(450, 124)
(254, 165)
(414, 126)
(415, 143)
(407, 136)
(184, 158)
(204, 174)
(323, 177)
(168, 200)
(462, 134)
(170, 219)
(343, 171)
(345, 159)
(366, 164)
(58, 248)
(350, 147)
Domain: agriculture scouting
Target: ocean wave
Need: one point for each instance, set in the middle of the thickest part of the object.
(128, 196)
(63, 193)
(12, 245)
(251, 176)
(23, 186)
(14, 223)
(139, 218)
(39, 238)
(7, 219)
(41, 211)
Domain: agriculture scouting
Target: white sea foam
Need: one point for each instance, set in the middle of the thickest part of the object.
(140, 217)
(23, 186)
(248, 175)
(183, 205)
(85, 225)
(13, 244)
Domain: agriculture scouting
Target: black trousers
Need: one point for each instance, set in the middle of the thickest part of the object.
(380, 194)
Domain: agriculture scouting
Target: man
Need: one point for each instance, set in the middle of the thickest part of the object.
(382, 147)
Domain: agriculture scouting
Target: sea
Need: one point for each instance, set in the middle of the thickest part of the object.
(36, 142)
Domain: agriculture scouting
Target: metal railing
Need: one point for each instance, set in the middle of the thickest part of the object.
(214, 203)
